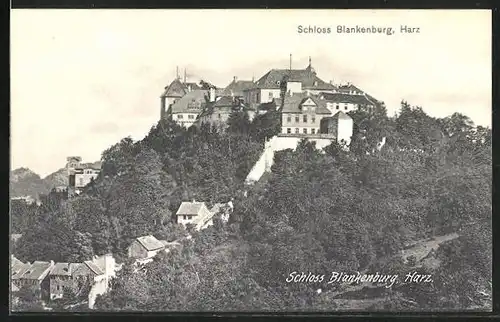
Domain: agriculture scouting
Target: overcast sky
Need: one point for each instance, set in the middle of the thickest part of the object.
(83, 79)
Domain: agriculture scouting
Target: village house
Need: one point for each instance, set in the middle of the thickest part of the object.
(198, 214)
(80, 175)
(339, 125)
(302, 113)
(195, 213)
(347, 102)
(35, 277)
(186, 110)
(59, 279)
(269, 86)
(17, 269)
(145, 247)
(91, 277)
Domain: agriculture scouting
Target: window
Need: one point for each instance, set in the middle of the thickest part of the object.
(313, 131)
(289, 119)
(81, 181)
(190, 116)
(297, 119)
(297, 130)
(220, 116)
(346, 106)
(270, 95)
(278, 82)
(304, 118)
(58, 287)
(289, 130)
(185, 217)
(313, 119)
(337, 106)
(304, 130)
(180, 116)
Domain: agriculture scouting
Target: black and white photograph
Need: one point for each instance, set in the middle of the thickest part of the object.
(256, 160)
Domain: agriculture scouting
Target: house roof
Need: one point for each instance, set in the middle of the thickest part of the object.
(14, 261)
(338, 116)
(77, 269)
(62, 269)
(193, 101)
(18, 268)
(193, 85)
(150, 242)
(346, 98)
(100, 262)
(237, 87)
(37, 271)
(306, 76)
(94, 268)
(175, 89)
(190, 208)
(293, 103)
(341, 115)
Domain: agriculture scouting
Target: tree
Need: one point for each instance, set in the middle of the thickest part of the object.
(238, 122)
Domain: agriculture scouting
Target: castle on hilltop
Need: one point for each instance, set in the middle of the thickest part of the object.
(308, 105)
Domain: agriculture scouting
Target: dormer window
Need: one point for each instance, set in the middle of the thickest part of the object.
(315, 83)
(278, 82)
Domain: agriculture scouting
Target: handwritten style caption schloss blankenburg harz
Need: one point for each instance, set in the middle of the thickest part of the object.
(387, 280)
(357, 29)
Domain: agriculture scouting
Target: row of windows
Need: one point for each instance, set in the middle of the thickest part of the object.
(297, 131)
(190, 116)
(186, 217)
(297, 119)
(346, 106)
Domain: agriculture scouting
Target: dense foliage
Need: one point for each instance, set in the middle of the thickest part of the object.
(316, 212)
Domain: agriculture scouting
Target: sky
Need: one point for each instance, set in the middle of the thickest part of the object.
(81, 80)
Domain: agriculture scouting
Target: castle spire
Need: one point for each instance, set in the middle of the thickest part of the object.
(309, 61)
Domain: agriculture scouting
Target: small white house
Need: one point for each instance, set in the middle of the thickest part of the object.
(195, 213)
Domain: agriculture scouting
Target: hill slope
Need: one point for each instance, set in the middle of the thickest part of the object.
(25, 182)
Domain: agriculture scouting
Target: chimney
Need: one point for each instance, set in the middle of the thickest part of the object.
(212, 94)
(253, 78)
(235, 79)
(290, 61)
(177, 72)
(184, 75)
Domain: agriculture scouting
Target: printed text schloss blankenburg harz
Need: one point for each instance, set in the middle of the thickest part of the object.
(357, 29)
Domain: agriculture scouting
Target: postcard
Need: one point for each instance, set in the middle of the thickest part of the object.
(251, 161)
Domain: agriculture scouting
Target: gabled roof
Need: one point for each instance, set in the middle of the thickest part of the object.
(175, 89)
(307, 77)
(18, 268)
(346, 98)
(94, 268)
(61, 269)
(37, 271)
(193, 101)
(236, 87)
(293, 103)
(149, 242)
(190, 208)
(341, 115)
(14, 261)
